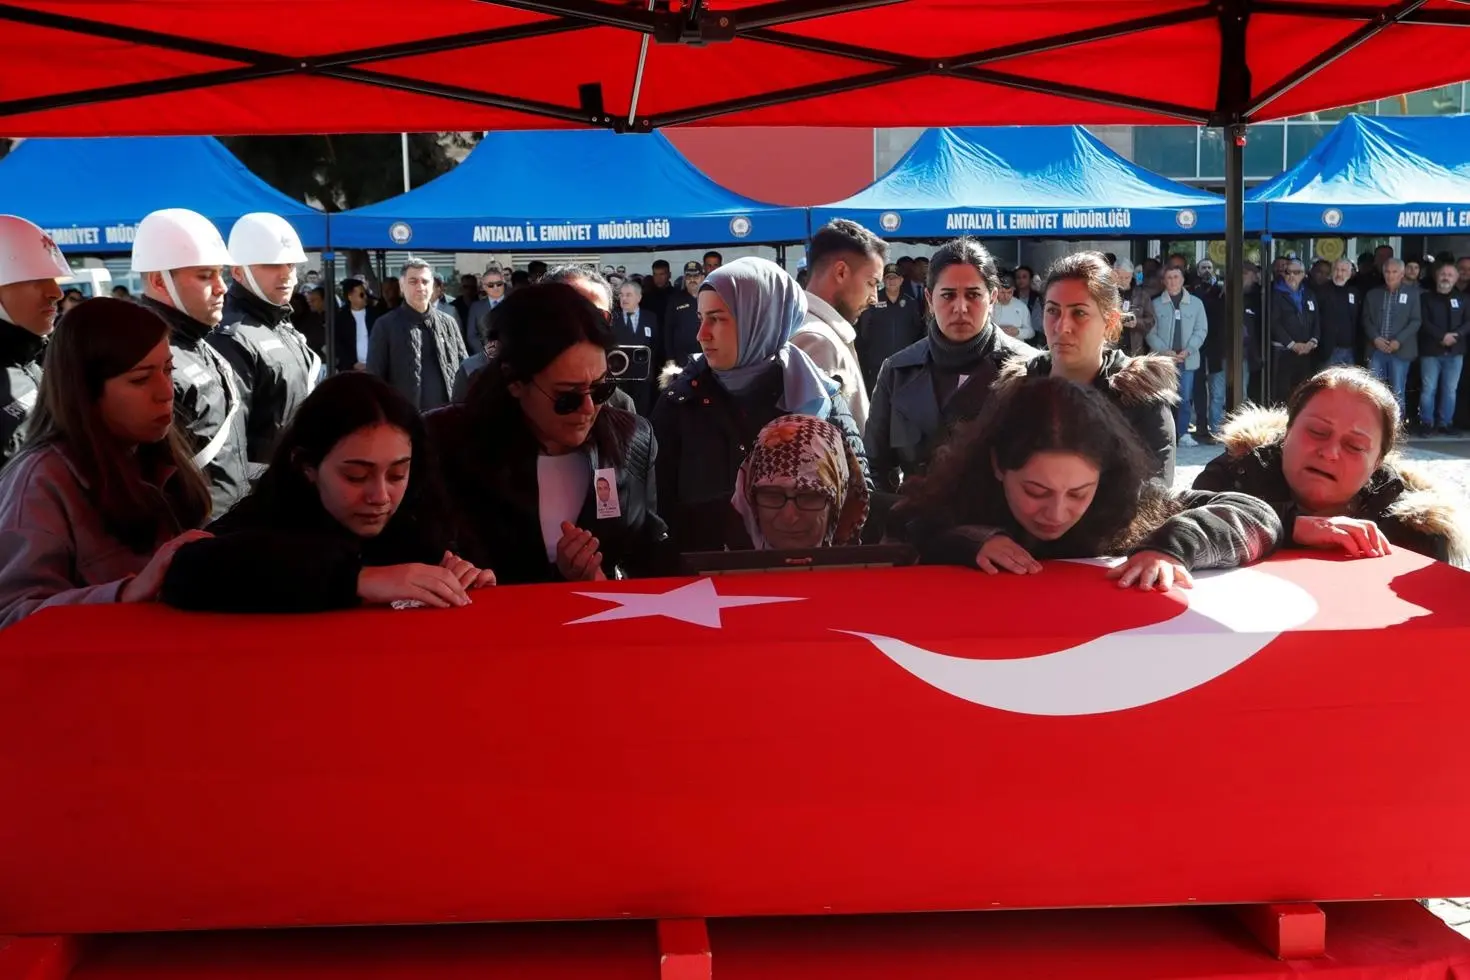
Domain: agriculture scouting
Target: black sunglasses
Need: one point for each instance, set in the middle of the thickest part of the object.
(494, 285)
(567, 402)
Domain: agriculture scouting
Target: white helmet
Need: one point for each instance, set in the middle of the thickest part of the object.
(176, 238)
(263, 238)
(27, 253)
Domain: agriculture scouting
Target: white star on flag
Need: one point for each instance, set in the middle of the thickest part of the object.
(696, 603)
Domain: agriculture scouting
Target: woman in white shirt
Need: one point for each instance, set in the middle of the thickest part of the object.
(546, 481)
(1009, 314)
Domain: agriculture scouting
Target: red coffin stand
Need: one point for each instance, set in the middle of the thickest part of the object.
(515, 761)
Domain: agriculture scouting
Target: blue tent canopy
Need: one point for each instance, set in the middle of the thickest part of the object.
(1372, 175)
(90, 194)
(1033, 182)
(529, 191)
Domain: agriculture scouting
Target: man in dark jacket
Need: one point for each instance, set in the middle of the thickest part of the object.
(657, 289)
(1441, 353)
(886, 328)
(30, 264)
(417, 348)
(180, 254)
(1209, 393)
(681, 322)
(1339, 308)
(355, 319)
(1251, 277)
(275, 366)
(633, 326)
(1295, 334)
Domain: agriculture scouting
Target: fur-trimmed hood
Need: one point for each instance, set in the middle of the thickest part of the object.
(1421, 503)
(1132, 381)
(668, 375)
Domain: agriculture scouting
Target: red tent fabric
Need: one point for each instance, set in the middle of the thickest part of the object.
(114, 67)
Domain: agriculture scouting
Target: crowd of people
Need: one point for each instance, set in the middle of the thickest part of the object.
(191, 448)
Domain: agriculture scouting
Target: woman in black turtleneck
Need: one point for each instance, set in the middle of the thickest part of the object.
(927, 388)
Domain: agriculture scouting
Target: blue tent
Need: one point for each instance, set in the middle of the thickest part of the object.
(90, 194)
(1032, 182)
(592, 190)
(1372, 175)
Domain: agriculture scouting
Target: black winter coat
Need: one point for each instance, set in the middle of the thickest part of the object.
(1206, 530)
(1213, 352)
(210, 408)
(275, 366)
(884, 330)
(906, 423)
(704, 434)
(20, 356)
(495, 508)
(266, 559)
(1145, 389)
(678, 340)
(1290, 325)
(1403, 502)
(1339, 310)
(1442, 315)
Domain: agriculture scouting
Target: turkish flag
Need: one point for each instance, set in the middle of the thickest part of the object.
(874, 741)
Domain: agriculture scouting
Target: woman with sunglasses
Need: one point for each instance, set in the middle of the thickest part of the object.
(522, 457)
(709, 417)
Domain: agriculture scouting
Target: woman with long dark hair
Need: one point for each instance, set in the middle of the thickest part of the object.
(1052, 469)
(1083, 320)
(522, 457)
(104, 493)
(345, 514)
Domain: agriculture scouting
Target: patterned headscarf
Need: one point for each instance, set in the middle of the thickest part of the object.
(813, 453)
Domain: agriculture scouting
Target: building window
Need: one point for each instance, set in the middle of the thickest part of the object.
(1167, 150)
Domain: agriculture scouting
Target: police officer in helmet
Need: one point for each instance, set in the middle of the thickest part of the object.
(273, 362)
(30, 264)
(179, 254)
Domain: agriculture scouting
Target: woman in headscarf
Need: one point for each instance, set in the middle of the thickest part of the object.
(711, 412)
(801, 487)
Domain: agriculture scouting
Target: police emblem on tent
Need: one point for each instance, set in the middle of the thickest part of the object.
(1186, 218)
(889, 221)
(400, 232)
(740, 227)
(1332, 217)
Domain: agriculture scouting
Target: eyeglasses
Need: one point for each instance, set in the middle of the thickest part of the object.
(772, 498)
(498, 284)
(567, 402)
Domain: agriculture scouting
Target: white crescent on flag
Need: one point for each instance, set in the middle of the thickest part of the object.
(1228, 618)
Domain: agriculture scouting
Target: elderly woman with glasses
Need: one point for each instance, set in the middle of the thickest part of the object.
(801, 487)
(1296, 331)
(524, 457)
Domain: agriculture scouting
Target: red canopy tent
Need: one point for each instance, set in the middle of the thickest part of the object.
(115, 67)
(88, 67)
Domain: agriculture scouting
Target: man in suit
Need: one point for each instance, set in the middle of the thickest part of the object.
(634, 326)
(1392, 314)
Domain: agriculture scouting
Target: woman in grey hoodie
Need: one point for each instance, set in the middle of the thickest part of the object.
(105, 490)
